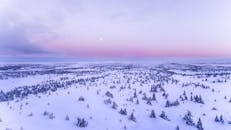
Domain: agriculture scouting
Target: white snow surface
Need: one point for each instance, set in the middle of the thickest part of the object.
(93, 80)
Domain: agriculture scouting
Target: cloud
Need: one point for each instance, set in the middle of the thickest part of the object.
(16, 44)
(13, 40)
(33, 27)
(23, 35)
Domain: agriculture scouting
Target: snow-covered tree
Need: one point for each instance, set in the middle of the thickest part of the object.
(177, 128)
(123, 111)
(169, 104)
(114, 105)
(221, 119)
(137, 101)
(107, 101)
(188, 119)
(109, 94)
(154, 97)
(67, 118)
(132, 117)
(152, 115)
(149, 101)
(164, 116)
(45, 113)
(135, 95)
(51, 116)
(216, 119)
(81, 122)
(144, 97)
(199, 125)
(81, 98)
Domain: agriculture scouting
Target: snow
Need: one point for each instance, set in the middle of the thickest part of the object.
(93, 80)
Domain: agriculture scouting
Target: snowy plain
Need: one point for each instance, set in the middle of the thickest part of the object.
(54, 96)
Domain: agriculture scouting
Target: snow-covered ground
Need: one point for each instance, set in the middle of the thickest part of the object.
(103, 96)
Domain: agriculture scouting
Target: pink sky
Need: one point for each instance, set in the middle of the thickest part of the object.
(121, 28)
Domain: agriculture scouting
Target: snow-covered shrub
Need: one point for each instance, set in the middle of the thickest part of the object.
(164, 116)
(220, 120)
(109, 94)
(81, 122)
(51, 116)
(31, 114)
(107, 101)
(81, 98)
(45, 113)
(123, 111)
(170, 104)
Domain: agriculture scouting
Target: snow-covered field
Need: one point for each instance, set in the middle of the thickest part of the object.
(115, 96)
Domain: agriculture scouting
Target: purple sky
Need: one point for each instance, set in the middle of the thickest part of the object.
(115, 28)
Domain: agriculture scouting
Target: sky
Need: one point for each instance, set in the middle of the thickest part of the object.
(115, 28)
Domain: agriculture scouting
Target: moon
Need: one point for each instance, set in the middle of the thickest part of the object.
(101, 39)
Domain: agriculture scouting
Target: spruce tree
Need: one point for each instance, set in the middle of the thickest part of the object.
(123, 111)
(149, 101)
(221, 119)
(67, 118)
(154, 97)
(164, 116)
(114, 105)
(177, 128)
(135, 95)
(132, 117)
(81, 122)
(199, 125)
(188, 119)
(216, 119)
(137, 101)
(152, 115)
(167, 104)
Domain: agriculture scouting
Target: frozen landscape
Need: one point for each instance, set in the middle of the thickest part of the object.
(115, 65)
(115, 96)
